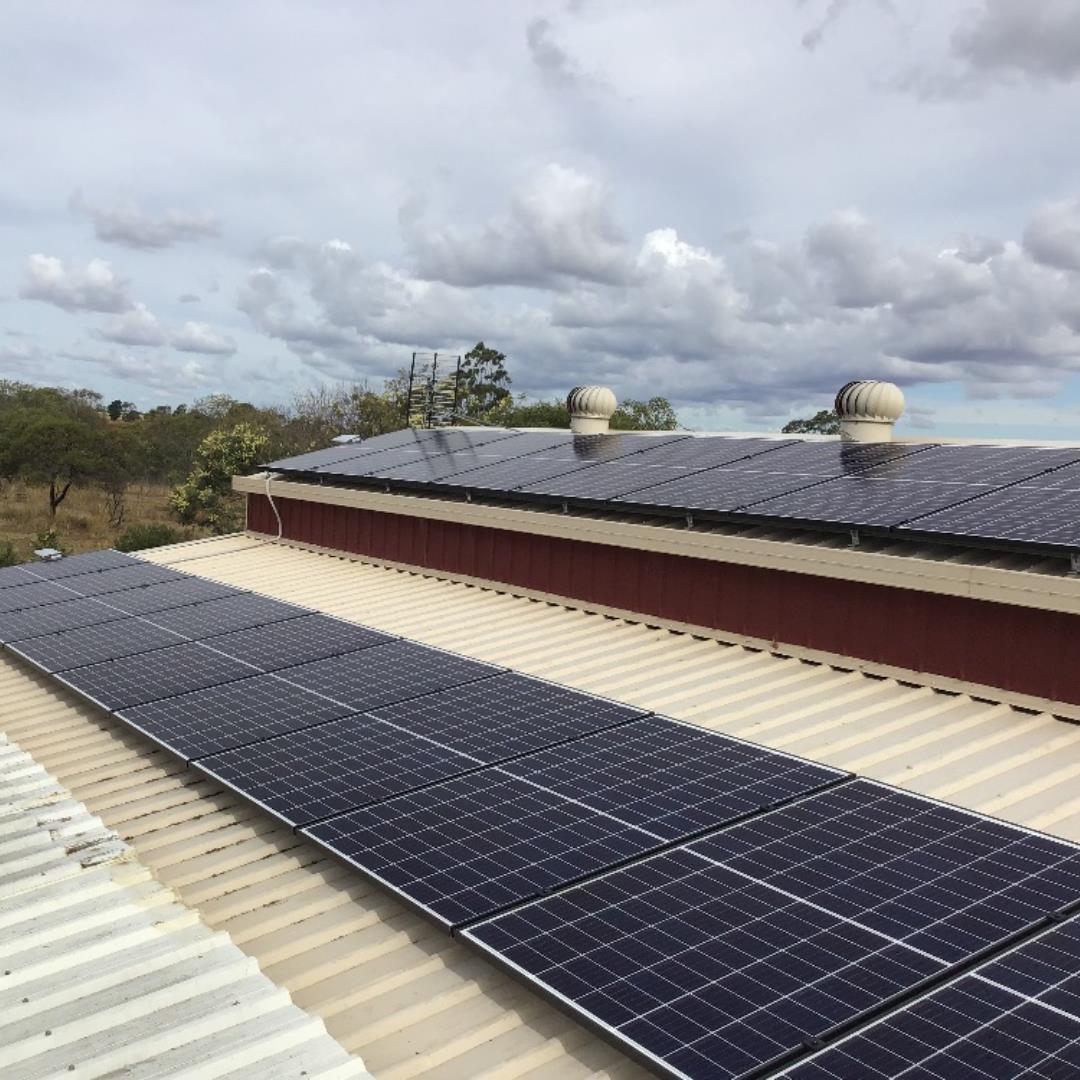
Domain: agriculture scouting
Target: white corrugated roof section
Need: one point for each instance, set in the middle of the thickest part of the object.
(391, 986)
(103, 972)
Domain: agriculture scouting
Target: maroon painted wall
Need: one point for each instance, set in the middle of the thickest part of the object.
(1020, 649)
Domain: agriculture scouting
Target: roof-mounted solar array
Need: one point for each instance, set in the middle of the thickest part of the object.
(1010, 496)
(716, 908)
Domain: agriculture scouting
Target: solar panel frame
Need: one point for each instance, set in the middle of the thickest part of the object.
(229, 715)
(120, 684)
(91, 561)
(55, 618)
(324, 770)
(974, 1022)
(672, 778)
(36, 594)
(504, 716)
(291, 642)
(522, 841)
(111, 640)
(149, 599)
(104, 582)
(14, 576)
(593, 974)
(210, 618)
(401, 670)
(1025, 515)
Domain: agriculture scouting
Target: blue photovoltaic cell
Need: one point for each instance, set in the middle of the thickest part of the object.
(434, 469)
(92, 561)
(35, 595)
(470, 846)
(126, 636)
(231, 714)
(706, 973)
(152, 598)
(669, 778)
(285, 644)
(15, 575)
(983, 466)
(731, 952)
(1021, 514)
(976, 1027)
(934, 876)
(505, 715)
(213, 617)
(102, 582)
(386, 674)
(326, 770)
(133, 680)
(54, 618)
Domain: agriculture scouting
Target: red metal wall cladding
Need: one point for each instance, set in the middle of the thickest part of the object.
(1020, 649)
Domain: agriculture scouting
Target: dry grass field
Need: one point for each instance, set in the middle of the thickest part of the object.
(82, 519)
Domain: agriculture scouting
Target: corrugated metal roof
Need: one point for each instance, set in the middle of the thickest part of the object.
(389, 985)
(103, 971)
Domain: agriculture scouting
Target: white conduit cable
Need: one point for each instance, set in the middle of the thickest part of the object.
(270, 499)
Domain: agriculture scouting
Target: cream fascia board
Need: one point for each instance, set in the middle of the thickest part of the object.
(993, 584)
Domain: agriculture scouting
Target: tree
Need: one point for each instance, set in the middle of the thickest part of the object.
(206, 497)
(44, 447)
(825, 422)
(122, 410)
(318, 415)
(483, 381)
(656, 414)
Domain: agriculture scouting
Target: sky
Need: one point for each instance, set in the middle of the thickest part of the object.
(739, 206)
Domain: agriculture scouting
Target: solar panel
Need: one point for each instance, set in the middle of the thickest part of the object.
(708, 451)
(1021, 514)
(213, 617)
(35, 595)
(670, 778)
(606, 481)
(936, 877)
(386, 674)
(721, 490)
(54, 618)
(976, 1026)
(470, 846)
(839, 458)
(92, 644)
(505, 715)
(433, 469)
(101, 582)
(169, 594)
(15, 575)
(133, 680)
(864, 501)
(332, 768)
(70, 565)
(296, 641)
(992, 466)
(230, 714)
(725, 955)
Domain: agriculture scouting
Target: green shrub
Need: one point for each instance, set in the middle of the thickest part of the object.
(139, 537)
(8, 555)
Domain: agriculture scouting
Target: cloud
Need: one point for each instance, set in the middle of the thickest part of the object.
(126, 224)
(833, 13)
(552, 61)
(158, 371)
(1052, 235)
(1036, 38)
(189, 298)
(558, 225)
(93, 287)
(139, 326)
(194, 337)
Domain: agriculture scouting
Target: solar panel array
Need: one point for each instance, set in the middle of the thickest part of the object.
(717, 908)
(1011, 496)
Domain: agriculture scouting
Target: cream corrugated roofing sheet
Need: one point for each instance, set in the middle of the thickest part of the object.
(392, 987)
(104, 973)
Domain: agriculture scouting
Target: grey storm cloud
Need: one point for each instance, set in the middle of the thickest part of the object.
(126, 224)
(1038, 38)
(1053, 235)
(551, 59)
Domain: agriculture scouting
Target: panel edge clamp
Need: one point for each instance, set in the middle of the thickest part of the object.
(854, 533)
